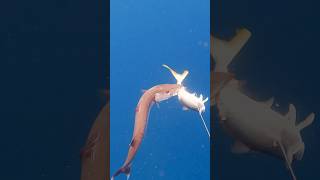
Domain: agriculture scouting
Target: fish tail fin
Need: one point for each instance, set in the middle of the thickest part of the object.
(177, 76)
(306, 122)
(123, 170)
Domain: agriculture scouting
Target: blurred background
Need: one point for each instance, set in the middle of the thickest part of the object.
(53, 70)
(280, 60)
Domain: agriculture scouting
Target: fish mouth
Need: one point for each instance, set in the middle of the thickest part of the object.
(298, 151)
(201, 108)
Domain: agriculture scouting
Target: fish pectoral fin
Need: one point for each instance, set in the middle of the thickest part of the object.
(240, 148)
(306, 122)
(291, 115)
(185, 108)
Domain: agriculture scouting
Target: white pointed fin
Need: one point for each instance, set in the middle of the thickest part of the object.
(224, 51)
(306, 122)
(177, 76)
(242, 36)
(239, 148)
(201, 97)
(269, 102)
(291, 115)
(205, 100)
(183, 76)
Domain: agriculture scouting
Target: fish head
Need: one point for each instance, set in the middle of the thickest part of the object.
(294, 146)
(299, 148)
(201, 106)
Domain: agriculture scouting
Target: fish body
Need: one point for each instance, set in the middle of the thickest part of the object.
(191, 101)
(256, 126)
(155, 94)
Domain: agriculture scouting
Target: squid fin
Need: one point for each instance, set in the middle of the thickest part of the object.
(306, 122)
(177, 76)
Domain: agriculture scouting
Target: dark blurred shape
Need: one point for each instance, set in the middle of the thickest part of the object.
(95, 154)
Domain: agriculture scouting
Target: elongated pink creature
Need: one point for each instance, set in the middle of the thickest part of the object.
(155, 94)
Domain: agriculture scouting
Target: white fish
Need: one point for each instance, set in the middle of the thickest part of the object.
(189, 100)
(255, 126)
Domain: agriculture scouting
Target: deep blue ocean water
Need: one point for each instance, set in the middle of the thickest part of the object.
(145, 35)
